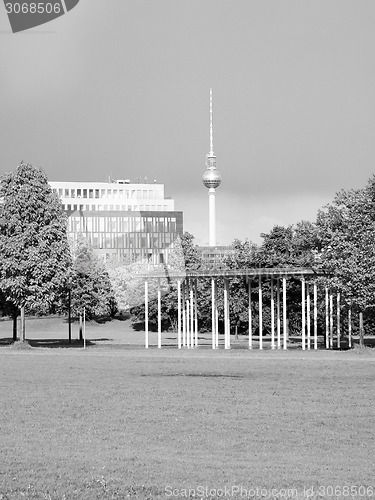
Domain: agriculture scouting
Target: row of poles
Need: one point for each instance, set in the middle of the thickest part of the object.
(187, 315)
(329, 317)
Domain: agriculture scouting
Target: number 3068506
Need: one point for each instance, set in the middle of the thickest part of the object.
(33, 8)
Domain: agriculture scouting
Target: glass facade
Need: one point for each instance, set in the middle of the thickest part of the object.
(128, 235)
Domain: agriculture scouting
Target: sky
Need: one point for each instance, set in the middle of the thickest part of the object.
(120, 88)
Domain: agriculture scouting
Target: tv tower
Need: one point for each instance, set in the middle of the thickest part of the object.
(211, 179)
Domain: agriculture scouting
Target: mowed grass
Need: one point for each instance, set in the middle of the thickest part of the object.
(106, 423)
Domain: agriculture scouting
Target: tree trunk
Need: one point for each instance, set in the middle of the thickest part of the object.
(80, 336)
(14, 317)
(23, 330)
(361, 331)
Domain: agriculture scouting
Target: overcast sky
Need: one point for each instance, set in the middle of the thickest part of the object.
(121, 88)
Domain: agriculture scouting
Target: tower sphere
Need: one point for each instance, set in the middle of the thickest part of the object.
(211, 178)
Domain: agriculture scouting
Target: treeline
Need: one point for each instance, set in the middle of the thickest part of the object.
(40, 273)
(341, 241)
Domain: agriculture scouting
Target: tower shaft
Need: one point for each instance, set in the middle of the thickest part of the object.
(212, 217)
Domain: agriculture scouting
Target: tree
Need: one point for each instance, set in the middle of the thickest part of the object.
(242, 256)
(292, 246)
(347, 234)
(34, 250)
(91, 288)
(184, 257)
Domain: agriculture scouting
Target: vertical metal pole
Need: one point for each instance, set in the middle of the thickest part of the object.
(350, 327)
(216, 317)
(228, 314)
(285, 326)
(159, 315)
(225, 314)
(187, 305)
(146, 314)
(330, 319)
(278, 312)
(213, 313)
(272, 317)
(315, 316)
(308, 316)
(327, 319)
(183, 316)
(84, 327)
(250, 317)
(196, 312)
(303, 315)
(191, 315)
(361, 331)
(179, 313)
(70, 315)
(338, 322)
(260, 315)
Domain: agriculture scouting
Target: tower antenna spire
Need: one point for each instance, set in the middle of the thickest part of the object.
(211, 126)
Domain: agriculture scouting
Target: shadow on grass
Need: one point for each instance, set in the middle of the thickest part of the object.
(204, 375)
(6, 341)
(368, 343)
(140, 327)
(101, 320)
(53, 343)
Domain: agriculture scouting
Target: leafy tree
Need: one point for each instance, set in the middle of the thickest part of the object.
(185, 257)
(292, 246)
(242, 256)
(277, 247)
(347, 234)
(34, 250)
(306, 244)
(191, 256)
(90, 284)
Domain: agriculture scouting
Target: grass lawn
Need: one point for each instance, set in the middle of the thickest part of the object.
(129, 423)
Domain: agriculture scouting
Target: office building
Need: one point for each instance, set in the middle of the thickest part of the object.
(131, 221)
